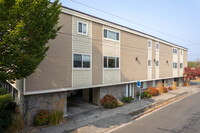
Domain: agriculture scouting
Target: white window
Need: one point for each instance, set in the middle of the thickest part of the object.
(157, 63)
(149, 43)
(175, 51)
(175, 65)
(111, 35)
(181, 52)
(157, 46)
(81, 61)
(149, 63)
(111, 62)
(82, 28)
(181, 65)
(129, 90)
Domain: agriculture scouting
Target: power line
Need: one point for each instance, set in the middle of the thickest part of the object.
(132, 21)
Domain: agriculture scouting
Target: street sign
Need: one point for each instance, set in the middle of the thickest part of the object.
(138, 83)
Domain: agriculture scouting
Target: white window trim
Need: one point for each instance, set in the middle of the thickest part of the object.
(148, 44)
(107, 34)
(107, 68)
(82, 27)
(181, 52)
(81, 68)
(148, 63)
(176, 65)
(158, 64)
(158, 46)
(176, 51)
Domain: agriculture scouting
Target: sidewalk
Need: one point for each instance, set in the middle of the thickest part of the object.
(100, 120)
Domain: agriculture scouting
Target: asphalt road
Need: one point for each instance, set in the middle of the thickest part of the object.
(180, 117)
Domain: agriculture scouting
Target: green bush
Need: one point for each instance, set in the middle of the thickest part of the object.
(3, 91)
(127, 99)
(55, 117)
(7, 110)
(109, 101)
(142, 94)
(41, 117)
(120, 103)
(148, 95)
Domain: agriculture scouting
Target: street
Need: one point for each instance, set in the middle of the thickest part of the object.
(180, 117)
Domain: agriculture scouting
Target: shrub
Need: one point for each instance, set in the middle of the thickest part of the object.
(165, 89)
(17, 124)
(109, 101)
(153, 91)
(3, 91)
(170, 88)
(142, 94)
(41, 117)
(55, 117)
(161, 90)
(120, 103)
(148, 95)
(127, 99)
(7, 110)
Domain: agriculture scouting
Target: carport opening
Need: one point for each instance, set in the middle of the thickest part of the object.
(80, 101)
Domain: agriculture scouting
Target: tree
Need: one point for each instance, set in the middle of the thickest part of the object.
(191, 73)
(25, 28)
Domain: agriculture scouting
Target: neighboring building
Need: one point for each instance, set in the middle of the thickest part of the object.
(99, 57)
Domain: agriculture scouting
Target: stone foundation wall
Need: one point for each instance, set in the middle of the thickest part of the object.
(180, 81)
(168, 82)
(117, 91)
(51, 102)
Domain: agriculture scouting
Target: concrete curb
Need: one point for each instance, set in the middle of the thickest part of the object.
(150, 108)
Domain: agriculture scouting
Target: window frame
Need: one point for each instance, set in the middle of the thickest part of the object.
(158, 63)
(111, 38)
(82, 68)
(148, 44)
(175, 49)
(181, 52)
(108, 62)
(158, 46)
(82, 28)
(181, 64)
(175, 65)
(148, 63)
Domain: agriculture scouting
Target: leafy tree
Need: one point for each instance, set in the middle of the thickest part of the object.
(25, 28)
(191, 73)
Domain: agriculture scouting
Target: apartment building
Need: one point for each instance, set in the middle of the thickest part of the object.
(98, 57)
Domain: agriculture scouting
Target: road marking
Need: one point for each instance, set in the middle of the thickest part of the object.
(175, 100)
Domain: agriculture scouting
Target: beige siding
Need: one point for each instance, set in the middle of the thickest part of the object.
(181, 61)
(111, 48)
(133, 46)
(82, 78)
(111, 76)
(97, 55)
(82, 44)
(185, 59)
(55, 71)
(166, 54)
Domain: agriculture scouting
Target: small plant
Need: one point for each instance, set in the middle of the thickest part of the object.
(153, 91)
(7, 110)
(165, 89)
(55, 117)
(148, 95)
(120, 103)
(109, 101)
(127, 99)
(170, 88)
(41, 117)
(3, 91)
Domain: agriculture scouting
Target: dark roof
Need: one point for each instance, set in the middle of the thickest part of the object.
(122, 26)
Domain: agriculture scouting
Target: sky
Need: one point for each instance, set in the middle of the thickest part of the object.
(176, 21)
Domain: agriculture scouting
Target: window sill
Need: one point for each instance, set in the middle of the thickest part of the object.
(82, 69)
(111, 40)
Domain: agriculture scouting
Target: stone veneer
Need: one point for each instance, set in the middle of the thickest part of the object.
(117, 91)
(168, 82)
(51, 102)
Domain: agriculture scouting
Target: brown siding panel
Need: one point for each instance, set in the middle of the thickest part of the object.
(133, 46)
(97, 54)
(55, 71)
(185, 59)
(166, 69)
